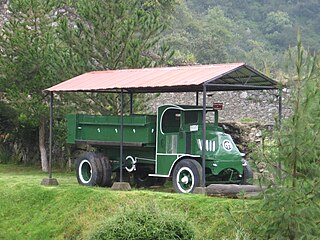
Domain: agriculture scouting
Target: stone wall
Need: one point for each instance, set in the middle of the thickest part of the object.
(243, 106)
(3, 11)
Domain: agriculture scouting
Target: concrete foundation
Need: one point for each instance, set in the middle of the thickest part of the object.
(200, 190)
(121, 186)
(49, 182)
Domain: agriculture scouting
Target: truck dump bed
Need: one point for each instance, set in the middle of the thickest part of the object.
(138, 130)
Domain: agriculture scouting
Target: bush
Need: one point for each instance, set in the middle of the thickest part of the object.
(144, 223)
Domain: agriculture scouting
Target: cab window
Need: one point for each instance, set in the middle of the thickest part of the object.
(171, 121)
(191, 117)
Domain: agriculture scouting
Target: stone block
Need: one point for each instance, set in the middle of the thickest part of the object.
(121, 186)
(49, 182)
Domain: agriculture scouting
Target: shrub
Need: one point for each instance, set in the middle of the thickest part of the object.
(144, 223)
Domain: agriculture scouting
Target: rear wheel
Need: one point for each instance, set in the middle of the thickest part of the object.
(106, 170)
(186, 176)
(88, 167)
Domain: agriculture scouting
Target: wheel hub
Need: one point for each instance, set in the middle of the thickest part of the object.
(185, 180)
(85, 171)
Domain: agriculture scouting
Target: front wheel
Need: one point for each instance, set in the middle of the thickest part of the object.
(247, 176)
(186, 176)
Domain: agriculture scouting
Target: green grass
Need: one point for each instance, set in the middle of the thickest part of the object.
(29, 210)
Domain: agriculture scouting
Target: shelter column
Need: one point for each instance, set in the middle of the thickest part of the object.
(279, 123)
(280, 106)
(50, 135)
(204, 113)
(131, 103)
(197, 98)
(121, 134)
(50, 181)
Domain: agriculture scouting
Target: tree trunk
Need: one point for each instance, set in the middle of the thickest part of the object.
(42, 147)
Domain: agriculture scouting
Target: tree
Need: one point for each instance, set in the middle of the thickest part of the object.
(30, 56)
(290, 209)
(207, 37)
(211, 45)
(39, 48)
(114, 34)
(302, 129)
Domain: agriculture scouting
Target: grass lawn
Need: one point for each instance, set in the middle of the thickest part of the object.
(29, 210)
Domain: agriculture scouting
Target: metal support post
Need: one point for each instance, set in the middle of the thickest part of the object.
(204, 113)
(50, 135)
(280, 107)
(121, 135)
(131, 103)
(197, 98)
(50, 181)
(279, 123)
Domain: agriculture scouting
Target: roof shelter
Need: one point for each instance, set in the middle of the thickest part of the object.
(196, 78)
(216, 77)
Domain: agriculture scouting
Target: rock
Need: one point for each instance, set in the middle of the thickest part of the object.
(232, 189)
(243, 95)
(259, 133)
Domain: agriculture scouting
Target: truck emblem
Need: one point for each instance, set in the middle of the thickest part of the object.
(227, 145)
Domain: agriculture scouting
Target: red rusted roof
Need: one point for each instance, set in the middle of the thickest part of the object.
(219, 77)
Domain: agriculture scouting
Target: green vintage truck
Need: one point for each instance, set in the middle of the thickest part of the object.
(156, 147)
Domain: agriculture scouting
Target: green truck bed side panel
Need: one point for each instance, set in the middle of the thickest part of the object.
(71, 123)
(139, 128)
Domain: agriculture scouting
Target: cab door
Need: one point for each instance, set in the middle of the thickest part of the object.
(171, 139)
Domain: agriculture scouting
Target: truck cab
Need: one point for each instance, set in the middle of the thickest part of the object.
(179, 137)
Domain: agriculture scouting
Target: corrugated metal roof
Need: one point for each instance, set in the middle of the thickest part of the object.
(217, 77)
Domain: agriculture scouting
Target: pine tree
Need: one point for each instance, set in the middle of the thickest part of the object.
(29, 63)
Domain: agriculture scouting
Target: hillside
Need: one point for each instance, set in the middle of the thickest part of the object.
(255, 31)
(69, 211)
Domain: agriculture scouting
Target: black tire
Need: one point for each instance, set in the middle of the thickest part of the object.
(247, 176)
(186, 176)
(142, 179)
(106, 170)
(88, 168)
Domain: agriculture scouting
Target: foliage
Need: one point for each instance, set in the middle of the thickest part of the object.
(207, 37)
(253, 31)
(298, 134)
(45, 42)
(145, 223)
(289, 213)
(29, 54)
(290, 208)
(116, 35)
(8, 118)
(253, 16)
(30, 62)
(283, 213)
